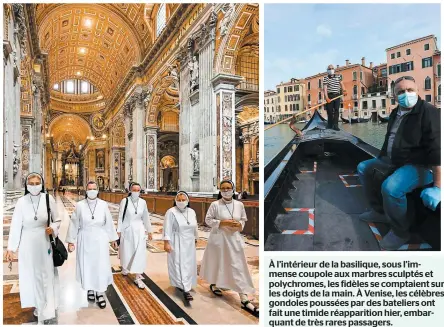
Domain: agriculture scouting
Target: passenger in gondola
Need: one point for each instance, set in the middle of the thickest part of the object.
(224, 264)
(180, 235)
(410, 157)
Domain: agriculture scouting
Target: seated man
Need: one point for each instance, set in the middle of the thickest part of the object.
(411, 152)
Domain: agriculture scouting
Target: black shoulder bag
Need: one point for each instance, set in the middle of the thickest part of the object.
(123, 217)
(59, 253)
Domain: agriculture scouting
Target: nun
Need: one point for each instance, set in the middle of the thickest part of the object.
(92, 227)
(224, 264)
(180, 237)
(133, 229)
(29, 233)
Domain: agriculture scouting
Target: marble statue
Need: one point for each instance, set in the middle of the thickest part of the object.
(194, 74)
(228, 15)
(195, 157)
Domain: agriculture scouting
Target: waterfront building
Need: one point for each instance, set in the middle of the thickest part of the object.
(290, 97)
(271, 107)
(421, 59)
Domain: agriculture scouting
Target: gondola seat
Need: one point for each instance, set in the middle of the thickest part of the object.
(425, 222)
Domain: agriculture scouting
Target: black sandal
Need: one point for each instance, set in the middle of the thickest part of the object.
(216, 291)
(188, 296)
(254, 312)
(101, 301)
(91, 296)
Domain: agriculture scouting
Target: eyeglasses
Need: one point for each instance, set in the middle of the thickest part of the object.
(409, 78)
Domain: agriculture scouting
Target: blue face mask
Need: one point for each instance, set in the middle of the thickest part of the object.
(407, 99)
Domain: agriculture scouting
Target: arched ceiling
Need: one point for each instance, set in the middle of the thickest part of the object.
(66, 126)
(95, 42)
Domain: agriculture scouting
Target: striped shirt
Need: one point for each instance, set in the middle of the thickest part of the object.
(333, 83)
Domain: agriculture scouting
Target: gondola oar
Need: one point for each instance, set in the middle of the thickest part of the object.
(300, 113)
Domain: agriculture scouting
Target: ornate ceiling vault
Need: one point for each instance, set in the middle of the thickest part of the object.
(69, 126)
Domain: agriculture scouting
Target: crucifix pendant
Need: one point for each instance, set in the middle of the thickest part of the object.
(188, 222)
(92, 217)
(35, 217)
(136, 212)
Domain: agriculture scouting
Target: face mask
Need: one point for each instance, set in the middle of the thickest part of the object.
(135, 195)
(92, 194)
(182, 205)
(34, 189)
(407, 99)
(330, 71)
(227, 194)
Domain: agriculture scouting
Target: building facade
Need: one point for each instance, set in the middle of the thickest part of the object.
(290, 97)
(421, 59)
(271, 112)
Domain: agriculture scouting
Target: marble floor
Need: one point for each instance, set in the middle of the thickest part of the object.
(158, 303)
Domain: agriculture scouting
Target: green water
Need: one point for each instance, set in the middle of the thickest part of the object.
(277, 137)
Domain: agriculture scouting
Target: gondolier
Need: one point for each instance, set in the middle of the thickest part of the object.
(333, 87)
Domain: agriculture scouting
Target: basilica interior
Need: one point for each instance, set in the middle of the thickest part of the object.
(165, 95)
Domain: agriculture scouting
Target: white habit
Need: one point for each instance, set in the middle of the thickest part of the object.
(38, 278)
(133, 237)
(224, 262)
(93, 237)
(182, 267)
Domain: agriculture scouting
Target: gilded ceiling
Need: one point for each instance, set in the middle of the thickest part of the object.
(73, 126)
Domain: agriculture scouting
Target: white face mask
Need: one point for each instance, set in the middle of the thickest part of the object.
(227, 194)
(135, 195)
(182, 205)
(330, 71)
(34, 189)
(92, 194)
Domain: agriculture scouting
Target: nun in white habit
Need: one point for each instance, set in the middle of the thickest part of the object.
(134, 229)
(224, 264)
(180, 236)
(29, 233)
(92, 227)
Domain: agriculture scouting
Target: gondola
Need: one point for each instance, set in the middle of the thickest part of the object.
(354, 120)
(313, 197)
(383, 119)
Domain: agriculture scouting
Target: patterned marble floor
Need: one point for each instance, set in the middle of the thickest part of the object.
(158, 303)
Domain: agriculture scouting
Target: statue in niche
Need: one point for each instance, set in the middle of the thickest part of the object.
(193, 66)
(228, 15)
(195, 157)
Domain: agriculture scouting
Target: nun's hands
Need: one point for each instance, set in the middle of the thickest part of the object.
(167, 246)
(49, 231)
(9, 256)
(71, 247)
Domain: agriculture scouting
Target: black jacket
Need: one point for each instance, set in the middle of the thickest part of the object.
(418, 139)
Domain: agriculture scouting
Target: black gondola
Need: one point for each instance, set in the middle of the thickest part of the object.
(313, 197)
(383, 119)
(354, 120)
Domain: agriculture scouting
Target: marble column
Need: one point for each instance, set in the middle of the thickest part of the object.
(246, 163)
(129, 138)
(139, 114)
(151, 166)
(224, 89)
(116, 164)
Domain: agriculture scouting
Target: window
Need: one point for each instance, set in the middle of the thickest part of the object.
(279, 90)
(407, 52)
(428, 83)
(364, 105)
(373, 104)
(392, 101)
(392, 87)
(362, 90)
(427, 62)
(398, 54)
(285, 89)
(439, 89)
(356, 104)
(308, 85)
(298, 97)
(355, 89)
(320, 96)
(84, 86)
(56, 86)
(70, 86)
(384, 72)
(290, 89)
(160, 19)
(392, 56)
(297, 106)
(309, 97)
(383, 103)
(319, 83)
(360, 75)
(426, 46)
(428, 98)
(285, 97)
(354, 76)
(286, 108)
(296, 88)
(438, 69)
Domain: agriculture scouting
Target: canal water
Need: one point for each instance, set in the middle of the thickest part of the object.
(277, 137)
